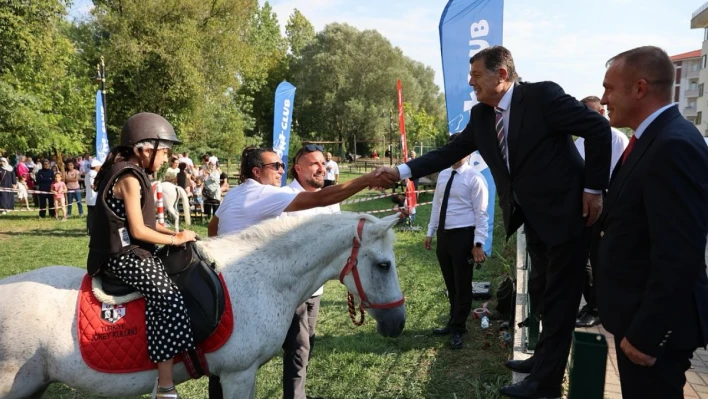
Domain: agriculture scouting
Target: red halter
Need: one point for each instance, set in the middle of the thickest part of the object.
(350, 266)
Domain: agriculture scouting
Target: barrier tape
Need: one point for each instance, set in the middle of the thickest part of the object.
(56, 208)
(375, 197)
(394, 208)
(15, 190)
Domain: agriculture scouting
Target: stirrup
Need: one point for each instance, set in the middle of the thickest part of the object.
(160, 392)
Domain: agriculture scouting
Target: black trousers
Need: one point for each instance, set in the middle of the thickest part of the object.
(454, 250)
(210, 207)
(89, 218)
(589, 287)
(664, 380)
(556, 281)
(46, 202)
(298, 345)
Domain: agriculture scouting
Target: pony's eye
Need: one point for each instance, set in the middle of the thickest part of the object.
(384, 265)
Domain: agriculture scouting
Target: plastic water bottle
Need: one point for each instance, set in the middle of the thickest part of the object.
(485, 322)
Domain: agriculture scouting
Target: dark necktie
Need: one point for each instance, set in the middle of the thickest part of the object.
(499, 127)
(446, 198)
(629, 148)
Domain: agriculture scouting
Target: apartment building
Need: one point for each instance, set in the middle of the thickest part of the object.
(688, 90)
(699, 20)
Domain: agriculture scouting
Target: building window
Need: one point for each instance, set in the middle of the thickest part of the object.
(698, 118)
(677, 93)
(705, 34)
(693, 85)
(700, 90)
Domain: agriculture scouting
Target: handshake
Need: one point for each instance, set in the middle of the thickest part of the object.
(384, 177)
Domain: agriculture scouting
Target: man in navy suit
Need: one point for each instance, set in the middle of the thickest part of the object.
(650, 240)
(524, 132)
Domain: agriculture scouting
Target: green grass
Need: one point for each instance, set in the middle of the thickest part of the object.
(347, 362)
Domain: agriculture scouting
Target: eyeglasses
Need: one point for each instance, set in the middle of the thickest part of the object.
(308, 148)
(275, 165)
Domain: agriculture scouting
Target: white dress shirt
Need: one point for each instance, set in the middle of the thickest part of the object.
(467, 193)
(320, 210)
(250, 203)
(645, 124)
(619, 143)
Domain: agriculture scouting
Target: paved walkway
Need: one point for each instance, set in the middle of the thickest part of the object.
(696, 377)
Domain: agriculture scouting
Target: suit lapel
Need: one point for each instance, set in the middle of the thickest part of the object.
(516, 116)
(640, 148)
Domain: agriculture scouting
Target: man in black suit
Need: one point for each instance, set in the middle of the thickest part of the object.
(542, 182)
(652, 289)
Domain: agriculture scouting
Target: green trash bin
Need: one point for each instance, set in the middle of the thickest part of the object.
(588, 359)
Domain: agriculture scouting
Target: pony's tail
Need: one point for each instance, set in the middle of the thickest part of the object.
(185, 205)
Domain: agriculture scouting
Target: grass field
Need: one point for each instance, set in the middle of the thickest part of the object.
(347, 362)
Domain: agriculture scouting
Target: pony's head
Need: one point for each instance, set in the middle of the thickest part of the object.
(377, 287)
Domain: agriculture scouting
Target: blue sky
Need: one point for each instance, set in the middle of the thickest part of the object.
(564, 41)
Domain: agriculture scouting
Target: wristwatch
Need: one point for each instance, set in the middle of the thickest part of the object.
(478, 245)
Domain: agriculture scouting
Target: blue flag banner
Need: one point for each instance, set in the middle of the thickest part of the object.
(282, 120)
(102, 147)
(466, 27)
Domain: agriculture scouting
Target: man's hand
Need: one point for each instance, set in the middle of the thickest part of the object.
(592, 207)
(635, 355)
(427, 242)
(478, 255)
(384, 177)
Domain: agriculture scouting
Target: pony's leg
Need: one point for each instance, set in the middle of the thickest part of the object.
(240, 385)
(27, 381)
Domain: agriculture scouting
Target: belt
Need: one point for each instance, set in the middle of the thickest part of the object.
(459, 229)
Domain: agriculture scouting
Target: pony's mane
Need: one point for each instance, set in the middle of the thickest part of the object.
(271, 228)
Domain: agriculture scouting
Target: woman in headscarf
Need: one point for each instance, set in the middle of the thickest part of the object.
(7, 181)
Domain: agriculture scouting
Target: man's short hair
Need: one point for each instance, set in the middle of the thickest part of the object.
(496, 57)
(650, 63)
(592, 102)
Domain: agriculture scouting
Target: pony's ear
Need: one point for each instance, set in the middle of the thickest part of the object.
(390, 221)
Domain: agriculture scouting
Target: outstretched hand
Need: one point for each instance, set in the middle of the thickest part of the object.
(384, 177)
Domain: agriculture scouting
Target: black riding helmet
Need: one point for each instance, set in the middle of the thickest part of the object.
(150, 127)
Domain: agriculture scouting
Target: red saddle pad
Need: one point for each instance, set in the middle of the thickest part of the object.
(113, 339)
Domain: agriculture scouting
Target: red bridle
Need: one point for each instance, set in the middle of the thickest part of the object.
(350, 266)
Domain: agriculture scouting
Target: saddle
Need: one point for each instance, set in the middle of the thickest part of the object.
(196, 279)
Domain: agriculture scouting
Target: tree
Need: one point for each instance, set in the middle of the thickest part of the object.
(299, 32)
(346, 78)
(45, 104)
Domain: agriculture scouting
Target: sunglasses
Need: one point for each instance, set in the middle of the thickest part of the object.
(275, 165)
(308, 148)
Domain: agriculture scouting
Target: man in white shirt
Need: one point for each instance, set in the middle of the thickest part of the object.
(588, 316)
(186, 159)
(91, 195)
(332, 171)
(460, 217)
(308, 173)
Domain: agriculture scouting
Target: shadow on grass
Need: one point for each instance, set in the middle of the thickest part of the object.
(48, 233)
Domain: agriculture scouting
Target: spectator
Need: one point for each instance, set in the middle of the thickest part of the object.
(8, 182)
(211, 190)
(74, 193)
(198, 198)
(91, 194)
(184, 178)
(172, 171)
(186, 159)
(332, 174)
(224, 183)
(59, 190)
(21, 168)
(22, 191)
(45, 178)
(375, 154)
(30, 165)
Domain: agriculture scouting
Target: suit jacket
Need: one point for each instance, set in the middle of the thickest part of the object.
(547, 175)
(649, 250)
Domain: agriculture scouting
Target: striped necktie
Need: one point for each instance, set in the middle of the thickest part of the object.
(500, 134)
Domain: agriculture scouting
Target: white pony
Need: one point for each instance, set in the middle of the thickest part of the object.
(269, 269)
(171, 193)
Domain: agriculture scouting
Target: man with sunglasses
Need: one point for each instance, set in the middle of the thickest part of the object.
(308, 173)
(332, 175)
(260, 197)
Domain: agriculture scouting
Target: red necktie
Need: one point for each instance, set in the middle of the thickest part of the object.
(629, 148)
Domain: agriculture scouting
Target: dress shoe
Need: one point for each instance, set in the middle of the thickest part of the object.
(456, 340)
(530, 389)
(442, 330)
(520, 366)
(589, 319)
